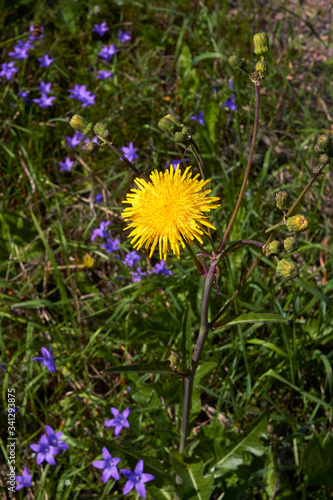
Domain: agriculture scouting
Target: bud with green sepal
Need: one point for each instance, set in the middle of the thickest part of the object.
(101, 130)
(80, 124)
(287, 269)
(324, 159)
(324, 145)
(237, 62)
(262, 66)
(261, 44)
(282, 200)
(297, 223)
(274, 247)
(291, 244)
(169, 124)
(91, 146)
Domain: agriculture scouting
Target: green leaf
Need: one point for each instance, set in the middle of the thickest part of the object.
(268, 345)
(204, 369)
(192, 476)
(211, 111)
(151, 367)
(251, 318)
(250, 443)
(319, 461)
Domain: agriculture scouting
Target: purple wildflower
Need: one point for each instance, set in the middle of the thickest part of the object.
(130, 152)
(100, 29)
(99, 198)
(161, 268)
(137, 275)
(109, 465)
(123, 36)
(111, 245)
(66, 166)
(54, 439)
(131, 258)
(21, 50)
(231, 84)
(100, 231)
(8, 70)
(45, 451)
(47, 359)
(74, 141)
(44, 87)
(136, 479)
(199, 117)
(175, 163)
(230, 103)
(104, 75)
(24, 94)
(23, 481)
(45, 61)
(43, 101)
(38, 29)
(95, 139)
(119, 421)
(83, 95)
(107, 53)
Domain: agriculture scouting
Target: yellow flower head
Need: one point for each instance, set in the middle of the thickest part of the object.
(168, 210)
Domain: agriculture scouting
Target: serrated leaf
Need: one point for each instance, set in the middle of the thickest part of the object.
(151, 367)
(250, 443)
(251, 318)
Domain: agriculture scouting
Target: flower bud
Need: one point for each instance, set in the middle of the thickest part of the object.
(274, 247)
(261, 43)
(297, 223)
(262, 66)
(100, 129)
(287, 269)
(237, 62)
(81, 124)
(324, 144)
(282, 200)
(182, 138)
(169, 124)
(324, 159)
(91, 146)
(291, 244)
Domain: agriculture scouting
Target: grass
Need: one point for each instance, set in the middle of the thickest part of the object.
(262, 402)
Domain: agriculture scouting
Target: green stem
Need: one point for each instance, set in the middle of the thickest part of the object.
(247, 172)
(198, 157)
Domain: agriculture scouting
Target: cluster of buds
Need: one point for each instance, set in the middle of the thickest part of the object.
(81, 124)
(173, 127)
(324, 149)
(295, 224)
(261, 47)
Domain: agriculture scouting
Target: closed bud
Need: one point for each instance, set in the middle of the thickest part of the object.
(182, 138)
(262, 66)
(237, 62)
(291, 244)
(324, 144)
(287, 269)
(169, 124)
(91, 146)
(273, 248)
(324, 159)
(261, 44)
(297, 223)
(81, 124)
(282, 200)
(101, 129)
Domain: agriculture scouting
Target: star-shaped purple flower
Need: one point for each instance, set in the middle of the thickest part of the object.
(74, 141)
(119, 421)
(38, 29)
(123, 36)
(44, 87)
(100, 231)
(66, 166)
(137, 275)
(100, 29)
(24, 94)
(230, 103)
(199, 117)
(107, 53)
(131, 258)
(83, 95)
(161, 268)
(111, 245)
(47, 359)
(43, 101)
(104, 75)
(8, 70)
(21, 50)
(54, 439)
(130, 152)
(136, 479)
(44, 451)
(109, 464)
(99, 198)
(45, 61)
(175, 163)
(23, 481)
